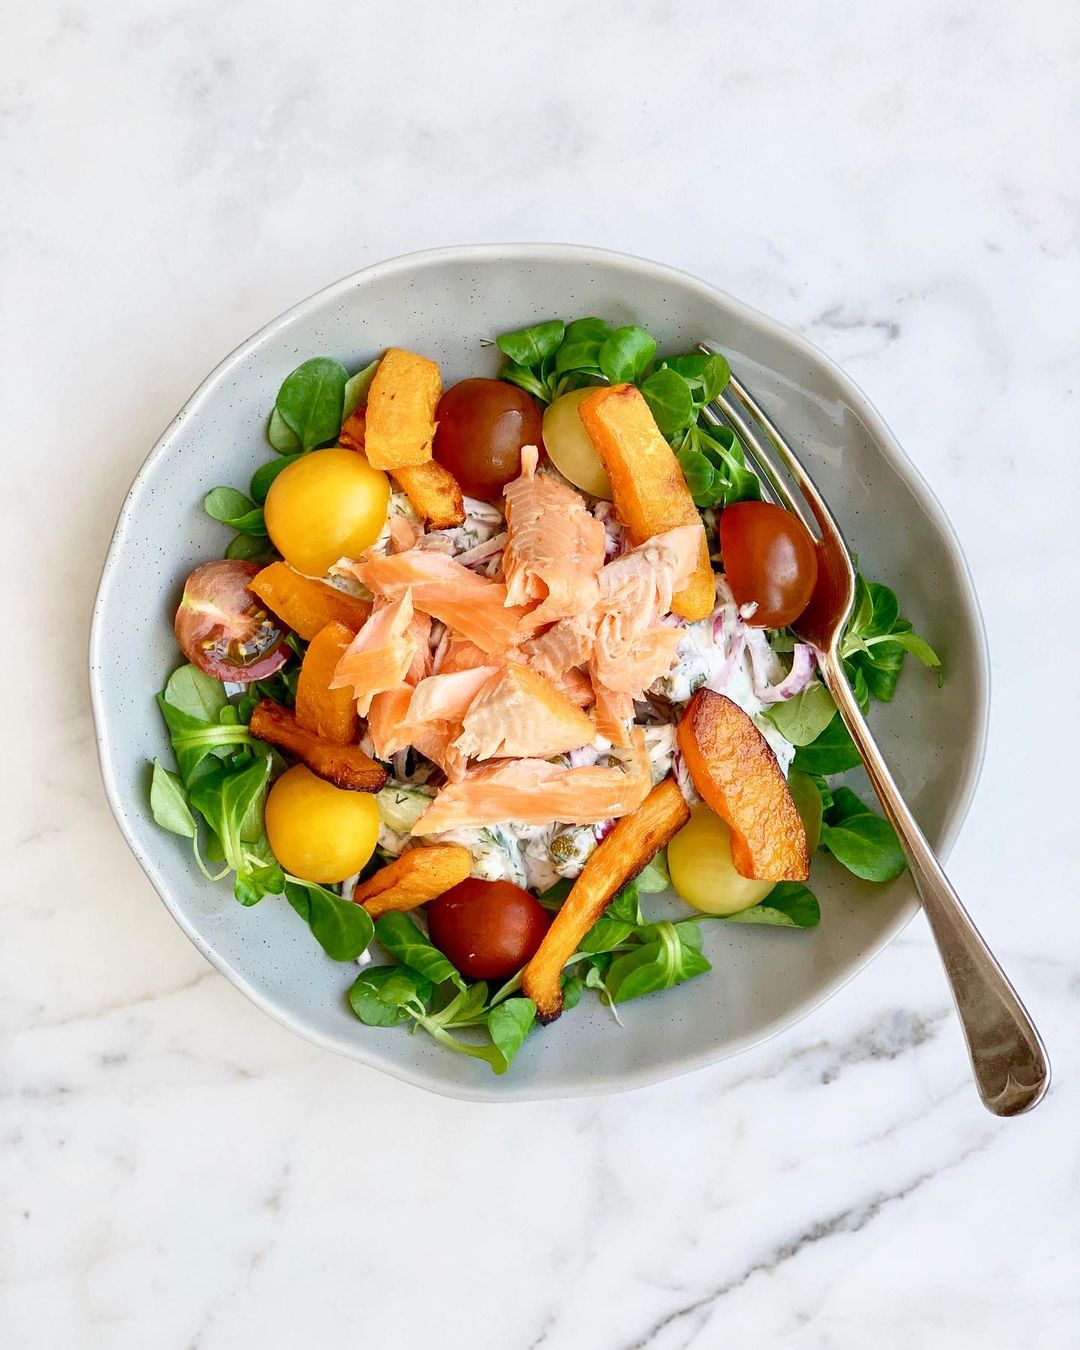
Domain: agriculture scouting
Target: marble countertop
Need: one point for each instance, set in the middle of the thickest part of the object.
(900, 183)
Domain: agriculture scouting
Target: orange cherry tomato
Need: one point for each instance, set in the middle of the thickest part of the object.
(488, 929)
(483, 425)
(769, 559)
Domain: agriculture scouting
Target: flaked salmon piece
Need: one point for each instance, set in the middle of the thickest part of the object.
(554, 547)
(403, 534)
(632, 647)
(536, 792)
(650, 573)
(436, 742)
(461, 654)
(472, 605)
(447, 697)
(420, 629)
(576, 685)
(566, 644)
(387, 726)
(519, 715)
(613, 713)
(629, 663)
(428, 717)
(380, 655)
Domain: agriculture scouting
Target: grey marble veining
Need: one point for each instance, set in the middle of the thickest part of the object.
(899, 182)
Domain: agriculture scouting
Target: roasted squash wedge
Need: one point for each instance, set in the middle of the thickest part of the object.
(630, 846)
(346, 766)
(647, 484)
(736, 772)
(412, 880)
(306, 605)
(400, 416)
(326, 712)
(433, 490)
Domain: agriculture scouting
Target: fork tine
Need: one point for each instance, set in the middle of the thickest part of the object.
(774, 483)
(746, 418)
(778, 447)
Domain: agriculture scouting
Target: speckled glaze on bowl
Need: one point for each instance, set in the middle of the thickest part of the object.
(443, 303)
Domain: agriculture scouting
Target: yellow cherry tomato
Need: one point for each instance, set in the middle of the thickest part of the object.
(317, 831)
(569, 448)
(702, 872)
(328, 504)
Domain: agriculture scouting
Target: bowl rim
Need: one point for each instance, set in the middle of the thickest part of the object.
(506, 1090)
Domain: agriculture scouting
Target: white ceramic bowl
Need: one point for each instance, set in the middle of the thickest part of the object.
(443, 303)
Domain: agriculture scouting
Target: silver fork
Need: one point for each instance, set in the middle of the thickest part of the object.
(1008, 1058)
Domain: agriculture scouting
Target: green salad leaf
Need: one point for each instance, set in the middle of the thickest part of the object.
(669, 954)
(356, 389)
(579, 351)
(169, 803)
(232, 508)
(263, 477)
(531, 346)
(310, 402)
(876, 641)
(281, 436)
(250, 548)
(624, 355)
(654, 876)
(789, 904)
(402, 939)
(670, 400)
(341, 928)
(389, 996)
(802, 719)
(189, 690)
(831, 751)
(861, 840)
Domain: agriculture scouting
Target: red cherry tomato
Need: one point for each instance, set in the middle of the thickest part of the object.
(770, 560)
(488, 929)
(482, 426)
(225, 630)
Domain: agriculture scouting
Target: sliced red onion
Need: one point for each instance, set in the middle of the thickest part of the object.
(719, 682)
(771, 685)
(481, 553)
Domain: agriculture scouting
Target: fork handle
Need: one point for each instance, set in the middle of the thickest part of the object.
(1008, 1058)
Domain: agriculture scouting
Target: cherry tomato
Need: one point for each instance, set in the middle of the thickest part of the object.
(318, 831)
(482, 426)
(488, 929)
(224, 629)
(324, 505)
(568, 446)
(770, 560)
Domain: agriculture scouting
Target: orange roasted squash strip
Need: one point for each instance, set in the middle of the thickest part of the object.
(304, 604)
(434, 493)
(647, 484)
(346, 766)
(328, 713)
(412, 880)
(735, 770)
(401, 403)
(619, 857)
(433, 490)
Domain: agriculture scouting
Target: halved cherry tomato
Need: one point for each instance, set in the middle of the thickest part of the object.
(482, 426)
(770, 561)
(488, 929)
(225, 630)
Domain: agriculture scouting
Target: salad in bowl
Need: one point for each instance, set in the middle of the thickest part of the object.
(495, 684)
